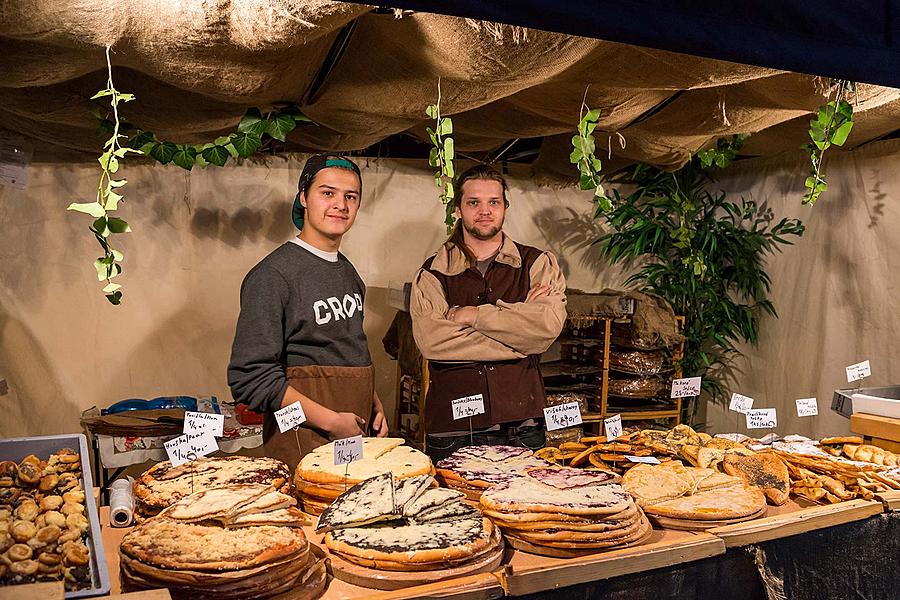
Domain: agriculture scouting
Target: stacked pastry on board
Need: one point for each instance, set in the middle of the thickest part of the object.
(394, 524)
(162, 485)
(691, 498)
(558, 511)
(232, 542)
(318, 481)
(473, 469)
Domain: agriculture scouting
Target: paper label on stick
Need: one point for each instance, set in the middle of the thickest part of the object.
(562, 415)
(858, 371)
(612, 427)
(290, 416)
(650, 460)
(807, 407)
(196, 422)
(468, 406)
(762, 418)
(188, 447)
(740, 403)
(347, 450)
(684, 388)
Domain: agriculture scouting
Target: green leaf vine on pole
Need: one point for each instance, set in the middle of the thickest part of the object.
(109, 194)
(583, 148)
(832, 125)
(441, 157)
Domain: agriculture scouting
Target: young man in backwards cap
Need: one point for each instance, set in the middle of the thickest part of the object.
(299, 336)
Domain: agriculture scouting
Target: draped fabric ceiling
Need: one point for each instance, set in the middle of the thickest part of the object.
(362, 76)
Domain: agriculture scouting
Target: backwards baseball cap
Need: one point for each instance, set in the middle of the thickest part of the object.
(313, 165)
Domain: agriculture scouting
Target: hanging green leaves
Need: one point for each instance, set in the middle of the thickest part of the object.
(832, 125)
(588, 164)
(255, 131)
(109, 194)
(441, 158)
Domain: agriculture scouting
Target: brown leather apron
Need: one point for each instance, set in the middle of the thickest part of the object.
(342, 389)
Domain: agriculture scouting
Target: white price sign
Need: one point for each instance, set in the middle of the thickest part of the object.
(197, 422)
(612, 427)
(807, 407)
(469, 406)
(188, 447)
(858, 371)
(650, 460)
(290, 416)
(347, 450)
(740, 403)
(761, 418)
(562, 415)
(684, 388)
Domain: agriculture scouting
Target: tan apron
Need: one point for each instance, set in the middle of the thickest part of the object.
(342, 389)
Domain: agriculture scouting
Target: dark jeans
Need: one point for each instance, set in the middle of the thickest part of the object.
(528, 437)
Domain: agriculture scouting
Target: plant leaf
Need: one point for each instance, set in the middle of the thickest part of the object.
(252, 122)
(280, 126)
(92, 208)
(246, 143)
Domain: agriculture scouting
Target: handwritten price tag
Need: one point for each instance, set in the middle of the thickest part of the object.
(196, 422)
(684, 388)
(468, 406)
(347, 450)
(740, 403)
(562, 415)
(761, 418)
(612, 427)
(290, 416)
(807, 407)
(650, 460)
(188, 447)
(858, 371)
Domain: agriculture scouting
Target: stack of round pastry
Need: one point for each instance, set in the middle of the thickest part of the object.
(565, 512)
(384, 523)
(223, 543)
(473, 469)
(318, 481)
(43, 521)
(162, 485)
(690, 498)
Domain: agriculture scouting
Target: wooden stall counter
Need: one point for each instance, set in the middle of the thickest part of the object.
(890, 500)
(528, 573)
(795, 517)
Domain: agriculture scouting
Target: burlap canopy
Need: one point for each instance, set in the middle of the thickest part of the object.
(196, 67)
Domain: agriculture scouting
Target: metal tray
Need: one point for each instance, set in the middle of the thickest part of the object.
(16, 449)
(842, 401)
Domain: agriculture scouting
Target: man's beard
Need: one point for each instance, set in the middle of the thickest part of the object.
(483, 236)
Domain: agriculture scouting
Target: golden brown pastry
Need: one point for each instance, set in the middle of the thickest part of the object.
(48, 482)
(27, 510)
(29, 473)
(74, 496)
(53, 517)
(76, 554)
(77, 521)
(19, 552)
(22, 531)
(51, 503)
(24, 567)
(71, 508)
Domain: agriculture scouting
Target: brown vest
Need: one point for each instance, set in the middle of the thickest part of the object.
(513, 390)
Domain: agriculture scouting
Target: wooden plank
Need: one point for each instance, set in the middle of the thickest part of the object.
(528, 573)
(484, 586)
(794, 519)
(890, 500)
(48, 590)
(876, 426)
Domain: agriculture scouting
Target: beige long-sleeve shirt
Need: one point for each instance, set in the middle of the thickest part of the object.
(501, 331)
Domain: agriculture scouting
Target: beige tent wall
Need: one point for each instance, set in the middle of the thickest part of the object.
(837, 292)
(63, 348)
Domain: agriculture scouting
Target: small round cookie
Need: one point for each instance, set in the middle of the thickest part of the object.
(69, 535)
(27, 510)
(75, 496)
(22, 531)
(72, 508)
(19, 552)
(45, 536)
(67, 481)
(54, 517)
(76, 555)
(77, 521)
(50, 558)
(51, 503)
(24, 567)
(9, 495)
(6, 541)
(29, 473)
(48, 482)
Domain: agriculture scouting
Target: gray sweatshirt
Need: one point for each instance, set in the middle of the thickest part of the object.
(297, 309)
